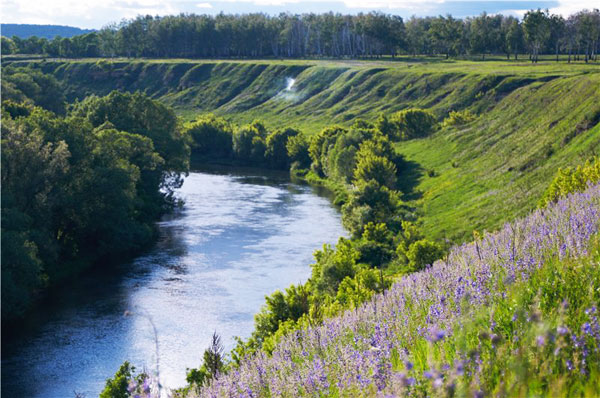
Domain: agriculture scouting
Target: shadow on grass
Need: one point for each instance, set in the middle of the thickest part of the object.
(408, 179)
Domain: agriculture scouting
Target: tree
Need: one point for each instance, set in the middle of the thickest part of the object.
(213, 356)
(446, 33)
(117, 387)
(138, 114)
(481, 35)
(557, 32)
(378, 168)
(320, 145)
(211, 136)
(32, 86)
(588, 29)
(31, 169)
(370, 202)
(8, 46)
(332, 266)
(514, 37)
(297, 150)
(276, 147)
(536, 26)
(249, 143)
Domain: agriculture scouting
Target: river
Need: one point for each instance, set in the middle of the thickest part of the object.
(239, 237)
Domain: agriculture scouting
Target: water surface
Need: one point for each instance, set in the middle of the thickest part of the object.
(238, 238)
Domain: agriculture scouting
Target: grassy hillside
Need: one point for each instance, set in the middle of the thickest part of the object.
(498, 166)
(530, 121)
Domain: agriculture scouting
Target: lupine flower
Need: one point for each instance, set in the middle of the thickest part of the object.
(562, 330)
(540, 341)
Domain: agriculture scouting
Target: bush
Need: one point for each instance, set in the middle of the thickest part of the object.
(118, 385)
(297, 150)
(458, 118)
(377, 168)
(571, 180)
(249, 143)
(333, 265)
(413, 123)
(210, 136)
(319, 146)
(276, 151)
(422, 253)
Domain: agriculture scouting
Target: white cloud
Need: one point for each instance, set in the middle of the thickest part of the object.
(204, 5)
(392, 4)
(81, 13)
(568, 7)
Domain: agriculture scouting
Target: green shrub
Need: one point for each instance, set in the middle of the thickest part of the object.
(117, 386)
(413, 123)
(372, 167)
(297, 150)
(276, 151)
(571, 180)
(422, 253)
(210, 136)
(458, 118)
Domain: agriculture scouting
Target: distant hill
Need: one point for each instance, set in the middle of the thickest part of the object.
(48, 31)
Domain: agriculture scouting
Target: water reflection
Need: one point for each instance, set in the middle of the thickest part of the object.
(237, 238)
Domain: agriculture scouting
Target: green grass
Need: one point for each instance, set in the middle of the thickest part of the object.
(498, 166)
(531, 119)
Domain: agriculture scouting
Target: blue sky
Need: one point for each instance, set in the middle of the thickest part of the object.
(98, 13)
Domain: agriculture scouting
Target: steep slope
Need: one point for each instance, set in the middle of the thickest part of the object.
(499, 165)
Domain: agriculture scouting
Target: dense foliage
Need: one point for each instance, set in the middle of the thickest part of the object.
(570, 180)
(126, 383)
(213, 138)
(81, 188)
(328, 35)
(26, 85)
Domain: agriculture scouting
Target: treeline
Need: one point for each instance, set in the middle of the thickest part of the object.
(79, 187)
(328, 35)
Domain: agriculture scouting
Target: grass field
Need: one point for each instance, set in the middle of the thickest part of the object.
(531, 119)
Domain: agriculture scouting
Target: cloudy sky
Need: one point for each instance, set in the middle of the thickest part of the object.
(97, 13)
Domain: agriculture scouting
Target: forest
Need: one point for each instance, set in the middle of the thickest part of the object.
(81, 186)
(328, 35)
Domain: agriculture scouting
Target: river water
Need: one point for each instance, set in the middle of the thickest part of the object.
(238, 238)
